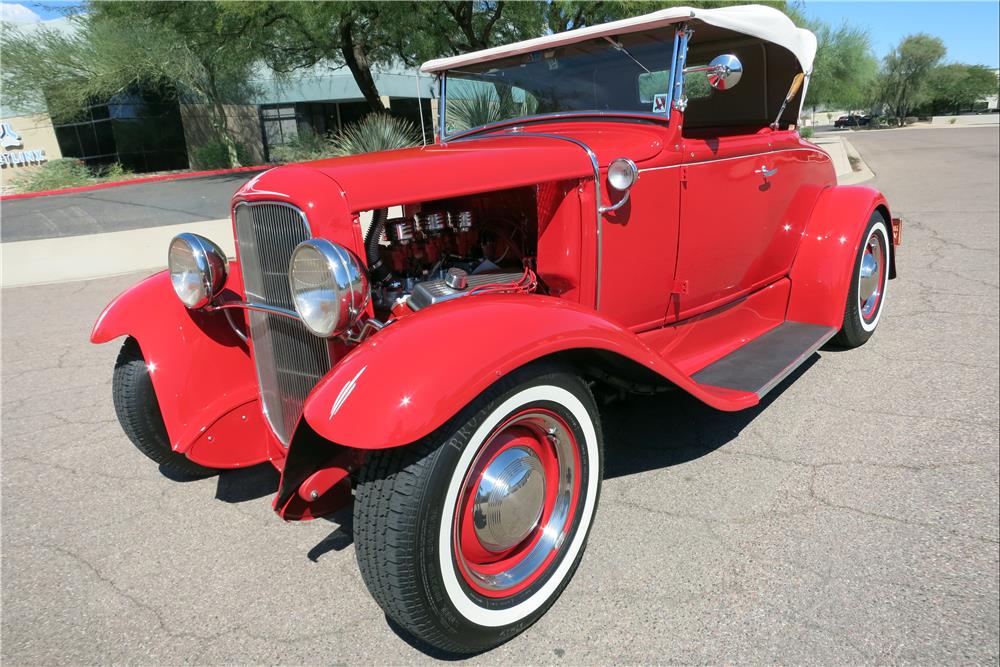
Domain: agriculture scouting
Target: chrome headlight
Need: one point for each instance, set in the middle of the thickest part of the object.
(329, 286)
(197, 269)
(622, 173)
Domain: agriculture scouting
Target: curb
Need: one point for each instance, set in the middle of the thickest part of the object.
(133, 181)
(855, 177)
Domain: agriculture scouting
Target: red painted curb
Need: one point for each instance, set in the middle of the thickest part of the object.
(132, 181)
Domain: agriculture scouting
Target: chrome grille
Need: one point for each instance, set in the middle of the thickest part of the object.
(289, 359)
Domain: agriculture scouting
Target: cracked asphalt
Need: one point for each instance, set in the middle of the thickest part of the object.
(852, 518)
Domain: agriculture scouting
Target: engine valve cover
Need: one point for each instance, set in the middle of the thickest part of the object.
(430, 292)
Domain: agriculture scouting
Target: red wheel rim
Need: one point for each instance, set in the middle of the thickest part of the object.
(517, 503)
(871, 276)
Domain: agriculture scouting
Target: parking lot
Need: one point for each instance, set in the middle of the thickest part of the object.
(853, 517)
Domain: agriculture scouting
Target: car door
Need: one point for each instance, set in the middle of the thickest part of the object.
(726, 222)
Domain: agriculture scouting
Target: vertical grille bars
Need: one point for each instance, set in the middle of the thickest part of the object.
(289, 359)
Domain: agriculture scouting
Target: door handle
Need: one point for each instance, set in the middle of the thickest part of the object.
(765, 172)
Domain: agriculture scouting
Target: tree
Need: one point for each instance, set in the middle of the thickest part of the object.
(904, 78)
(192, 50)
(956, 86)
(843, 69)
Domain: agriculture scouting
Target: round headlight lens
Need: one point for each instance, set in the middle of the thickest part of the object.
(197, 269)
(622, 173)
(329, 287)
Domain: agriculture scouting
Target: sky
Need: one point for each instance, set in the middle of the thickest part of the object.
(969, 29)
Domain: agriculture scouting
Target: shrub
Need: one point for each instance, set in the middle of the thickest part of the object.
(483, 107)
(215, 155)
(806, 132)
(306, 146)
(375, 132)
(115, 171)
(952, 121)
(53, 175)
(909, 120)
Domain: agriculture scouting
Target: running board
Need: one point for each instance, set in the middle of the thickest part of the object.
(761, 364)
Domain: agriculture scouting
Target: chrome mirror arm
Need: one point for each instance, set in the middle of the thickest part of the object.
(615, 207)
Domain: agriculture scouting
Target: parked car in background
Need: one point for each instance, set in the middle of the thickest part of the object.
(852, 121)
(621, 208)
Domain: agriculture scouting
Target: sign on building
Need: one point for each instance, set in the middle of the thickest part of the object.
(9, 139)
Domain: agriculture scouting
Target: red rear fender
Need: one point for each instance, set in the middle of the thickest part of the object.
(822, 270)
(417, 373)
(201, 371)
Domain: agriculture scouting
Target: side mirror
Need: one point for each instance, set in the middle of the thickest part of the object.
(724, 72)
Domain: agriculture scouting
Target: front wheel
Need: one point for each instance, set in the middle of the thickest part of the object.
(870, 280)
(139, 413)
(468, 536)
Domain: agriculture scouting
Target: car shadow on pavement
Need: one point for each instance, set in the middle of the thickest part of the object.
(645, 433)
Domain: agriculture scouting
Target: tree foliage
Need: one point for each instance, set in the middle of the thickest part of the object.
(954, 87)
(194, 50)
(844, 69)
(903, 82)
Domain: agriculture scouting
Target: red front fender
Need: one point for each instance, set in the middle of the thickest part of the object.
(202, 374)
(417, 373)
(823, 267)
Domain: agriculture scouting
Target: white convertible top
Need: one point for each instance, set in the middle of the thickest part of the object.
(759, 21)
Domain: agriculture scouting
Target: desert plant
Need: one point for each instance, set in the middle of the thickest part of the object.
(806, 132)
(484, 106)
(375, 132)
(115, 171)
(216, 155)
(308, 145)
(53, 175)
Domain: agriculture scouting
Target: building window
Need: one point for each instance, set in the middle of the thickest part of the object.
(141, 130)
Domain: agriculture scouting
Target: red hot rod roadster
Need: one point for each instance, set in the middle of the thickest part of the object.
(626, 207)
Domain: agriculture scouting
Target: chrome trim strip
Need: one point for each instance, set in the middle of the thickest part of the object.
(597, 191)
(677, 97)
(734, 157)
(258, 307)
(795, 363)
(442, 109)
(558, 115)
(673, 69)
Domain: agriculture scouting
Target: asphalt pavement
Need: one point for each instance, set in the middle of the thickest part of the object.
(120, 208)
(852, 518)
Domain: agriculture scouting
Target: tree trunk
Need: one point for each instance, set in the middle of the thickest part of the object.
(220, 121)
(356, 59)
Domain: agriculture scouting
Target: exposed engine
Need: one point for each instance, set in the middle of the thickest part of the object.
(443, 250)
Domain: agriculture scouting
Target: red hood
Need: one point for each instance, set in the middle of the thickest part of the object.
(374, 180)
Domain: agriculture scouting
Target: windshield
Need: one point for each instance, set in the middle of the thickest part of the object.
(626, 74)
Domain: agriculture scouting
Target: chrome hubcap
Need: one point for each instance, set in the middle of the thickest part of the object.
(515, 510)
(870, 275)
(510, 499)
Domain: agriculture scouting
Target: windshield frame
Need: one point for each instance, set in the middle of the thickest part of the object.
(664, 118)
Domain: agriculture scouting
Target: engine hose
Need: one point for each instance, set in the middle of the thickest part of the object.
(377, 270)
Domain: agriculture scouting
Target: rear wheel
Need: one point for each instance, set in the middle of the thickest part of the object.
(139, 412)
(468, 536)
(866, 296)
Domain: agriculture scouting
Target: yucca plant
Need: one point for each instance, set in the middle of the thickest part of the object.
(375, 132)
(484, 106)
